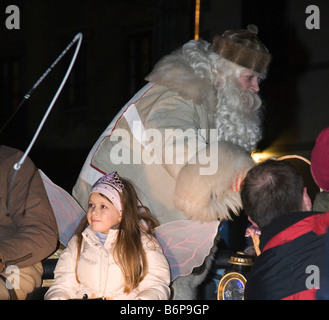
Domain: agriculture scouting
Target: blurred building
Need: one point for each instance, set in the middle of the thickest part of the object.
(122, 40)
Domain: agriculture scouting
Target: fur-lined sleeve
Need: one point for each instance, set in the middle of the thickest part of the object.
(204, 169)
(207, 197)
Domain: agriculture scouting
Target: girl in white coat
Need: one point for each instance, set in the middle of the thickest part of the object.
(114, 255)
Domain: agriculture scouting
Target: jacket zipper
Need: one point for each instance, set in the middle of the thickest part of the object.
(106, 275)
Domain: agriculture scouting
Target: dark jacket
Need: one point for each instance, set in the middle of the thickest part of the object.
(28, 229)
(321, 202)
(289, 245)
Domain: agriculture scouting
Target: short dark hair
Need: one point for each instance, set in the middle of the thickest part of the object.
(270, 190)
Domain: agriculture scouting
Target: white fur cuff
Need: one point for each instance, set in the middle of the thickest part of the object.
(209, 197)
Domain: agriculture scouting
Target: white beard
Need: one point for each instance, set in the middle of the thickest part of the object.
(237, 115)
(194, 72)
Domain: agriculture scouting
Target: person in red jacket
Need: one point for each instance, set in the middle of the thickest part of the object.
(292, 240)
(320, 172)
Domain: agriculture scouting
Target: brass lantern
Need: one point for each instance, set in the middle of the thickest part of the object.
(232, 284)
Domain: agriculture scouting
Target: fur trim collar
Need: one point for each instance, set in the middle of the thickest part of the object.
(175, 72)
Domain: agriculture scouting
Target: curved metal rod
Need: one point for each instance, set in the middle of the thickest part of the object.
(76, 38)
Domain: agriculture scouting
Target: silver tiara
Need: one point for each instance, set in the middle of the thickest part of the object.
(112, 179)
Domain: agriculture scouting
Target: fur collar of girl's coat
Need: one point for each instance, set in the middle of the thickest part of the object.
(174, 72)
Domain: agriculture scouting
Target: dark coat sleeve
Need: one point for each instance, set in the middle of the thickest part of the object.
(28, 229)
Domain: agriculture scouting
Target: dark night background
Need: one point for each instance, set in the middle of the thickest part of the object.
(122, 41)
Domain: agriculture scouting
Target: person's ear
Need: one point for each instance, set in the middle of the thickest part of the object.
(307, 203)
(253, 223)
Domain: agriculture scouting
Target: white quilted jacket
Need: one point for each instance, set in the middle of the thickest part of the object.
(100, 276)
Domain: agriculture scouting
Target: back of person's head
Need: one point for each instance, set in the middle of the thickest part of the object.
(270, 190)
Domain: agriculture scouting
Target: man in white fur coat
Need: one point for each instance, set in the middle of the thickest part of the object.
(186, 137)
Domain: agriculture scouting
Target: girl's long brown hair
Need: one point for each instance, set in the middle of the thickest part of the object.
(128, 250)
